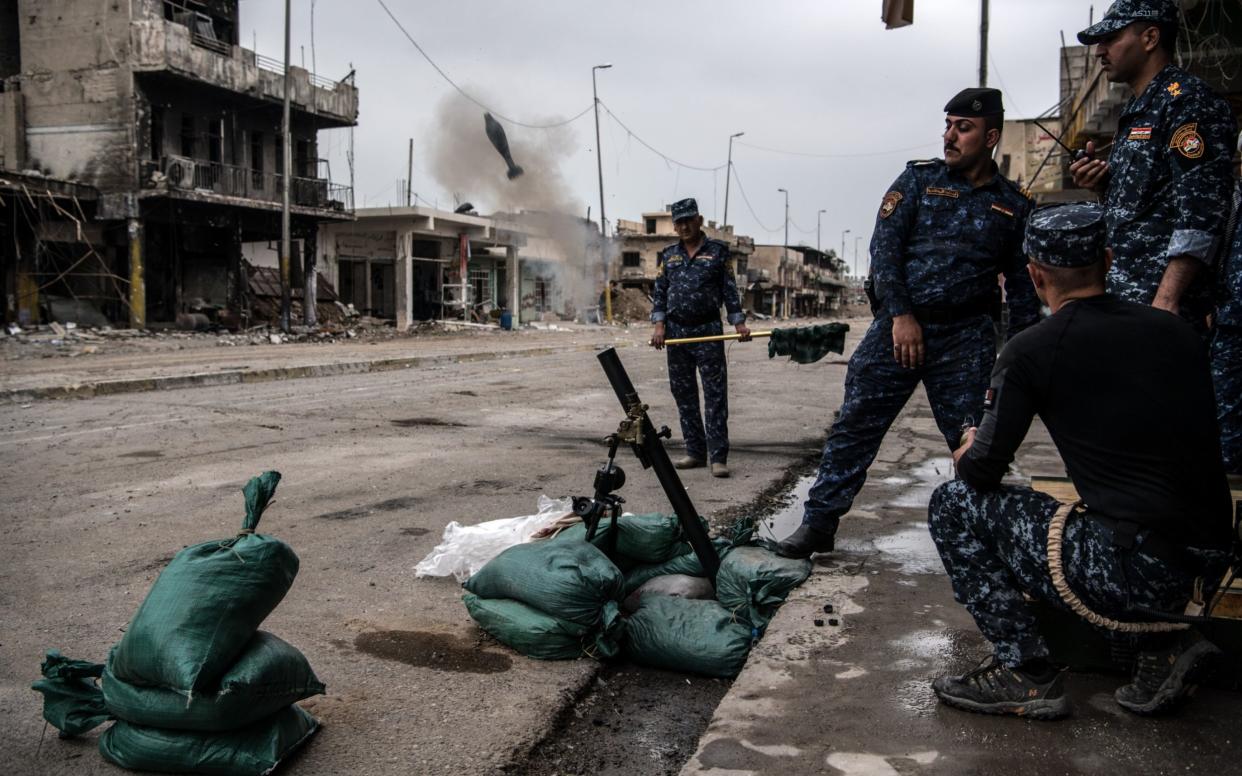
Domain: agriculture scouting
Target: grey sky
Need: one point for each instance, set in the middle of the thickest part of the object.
(819, 77)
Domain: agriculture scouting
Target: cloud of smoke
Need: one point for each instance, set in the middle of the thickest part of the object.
(539, 203)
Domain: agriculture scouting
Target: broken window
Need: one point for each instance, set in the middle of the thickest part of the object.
(651, 226)
(215, 140)
(631, 259)
(157, 132)
(481, 283)
(543, 297)
(256, 160)
(303, 166)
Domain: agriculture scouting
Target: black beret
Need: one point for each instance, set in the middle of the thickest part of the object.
(976, 102)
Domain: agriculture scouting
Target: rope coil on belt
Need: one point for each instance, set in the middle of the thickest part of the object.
(1056, 567)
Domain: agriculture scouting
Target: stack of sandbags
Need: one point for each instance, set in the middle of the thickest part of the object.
(754, 581)
(194, 685)
(549, 600)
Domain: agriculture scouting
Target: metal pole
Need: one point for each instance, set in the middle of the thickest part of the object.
(785, 254)
(983, 43)
(409, 176)
(286, 281)
(728, 178)
(843, 233)
(603, 233)
(818, 220)
(857, 237)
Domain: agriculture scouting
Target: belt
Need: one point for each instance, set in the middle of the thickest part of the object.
(714, 318)
(1125, 536)
(935, 314)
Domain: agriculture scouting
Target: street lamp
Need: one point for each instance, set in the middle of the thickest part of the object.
(817, 223)
(728, 177)
(603, 233)
(785, 254)
(856, 239)
(843, 233)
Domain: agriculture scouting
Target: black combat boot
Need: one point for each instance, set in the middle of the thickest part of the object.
(995, 688)
(805, 541)
(1164, 677)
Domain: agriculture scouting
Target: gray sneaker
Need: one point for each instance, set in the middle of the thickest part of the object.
(994, 688)
(720, 470)
(1165, 677)
(688, 462)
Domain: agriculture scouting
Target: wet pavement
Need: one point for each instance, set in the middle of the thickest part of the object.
(841, 682)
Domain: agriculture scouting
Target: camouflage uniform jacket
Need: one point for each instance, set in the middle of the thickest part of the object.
(690, 289)
(1229, 285)
(939, 242)
(1169, 186)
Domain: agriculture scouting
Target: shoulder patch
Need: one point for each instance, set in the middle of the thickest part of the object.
(891, 200)
(1187, 141)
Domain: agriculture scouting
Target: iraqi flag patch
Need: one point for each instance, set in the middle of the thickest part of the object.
(1139, 133)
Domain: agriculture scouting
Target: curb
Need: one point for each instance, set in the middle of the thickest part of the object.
(90, 390)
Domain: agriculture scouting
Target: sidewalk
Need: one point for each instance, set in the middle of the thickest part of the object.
(848, 690)
(200, 363)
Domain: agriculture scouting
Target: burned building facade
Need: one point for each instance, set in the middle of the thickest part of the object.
(153, 112)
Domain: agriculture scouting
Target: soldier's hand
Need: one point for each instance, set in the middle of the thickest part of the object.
(907, 341)
(968, 439)
(1089, 172)
(657, 337)
(743, 330)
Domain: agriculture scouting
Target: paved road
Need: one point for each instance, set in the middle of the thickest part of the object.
(100, 493)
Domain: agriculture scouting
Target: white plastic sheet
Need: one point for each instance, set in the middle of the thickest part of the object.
(464, 549)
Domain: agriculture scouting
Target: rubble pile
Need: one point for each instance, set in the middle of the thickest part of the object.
(631, 305)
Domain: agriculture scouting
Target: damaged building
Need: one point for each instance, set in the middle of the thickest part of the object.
(642, 241)
(141, 149)
(786, 281)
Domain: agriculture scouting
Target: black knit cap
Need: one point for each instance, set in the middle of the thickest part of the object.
(976, 102)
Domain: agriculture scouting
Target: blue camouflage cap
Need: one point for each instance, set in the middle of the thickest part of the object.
(1069, 234)
(686, 208)
(1123, 13)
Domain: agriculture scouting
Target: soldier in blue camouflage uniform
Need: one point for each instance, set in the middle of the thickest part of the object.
(944, 232)
(1227, 341)
(693, 279)
(1155, 509)
(1166, 182)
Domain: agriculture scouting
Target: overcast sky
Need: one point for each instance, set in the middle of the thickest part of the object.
(813, 76)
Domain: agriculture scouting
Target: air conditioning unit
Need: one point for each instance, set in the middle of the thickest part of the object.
(180, 172)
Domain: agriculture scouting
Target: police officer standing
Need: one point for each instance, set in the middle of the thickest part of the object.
(1155, 511)
(1227, 340)
(944, 232)
(1166, 183)
(693, 279)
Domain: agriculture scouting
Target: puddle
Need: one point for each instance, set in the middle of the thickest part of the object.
(923, 479)
(353, 513)
(437, 651)
(143, 454)
(911, 548)
(413, 422)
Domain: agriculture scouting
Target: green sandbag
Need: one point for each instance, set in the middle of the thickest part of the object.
(250, 751)
(569, 580)
(542, 636)
(754, 582)
(652, 538)
(269, 675)
(72, 701)
(207, 604)
(683, 634)
(684, 563)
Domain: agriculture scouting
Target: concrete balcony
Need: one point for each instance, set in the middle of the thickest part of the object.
(1095, 107)
(232, 185)
(161, 46)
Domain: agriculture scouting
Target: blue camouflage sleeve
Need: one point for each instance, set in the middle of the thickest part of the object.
(1019, 290)
(893, 223)
(1199, 155)
(728, 291)
(659, 292)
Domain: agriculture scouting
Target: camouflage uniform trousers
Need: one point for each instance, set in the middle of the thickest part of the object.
(1227, 380)
(686, 363)
(994, 548)
(956, 372)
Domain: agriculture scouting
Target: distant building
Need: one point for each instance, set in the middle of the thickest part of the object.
(1030, 157)
(640, 242)
(794, 281)
(173, 128)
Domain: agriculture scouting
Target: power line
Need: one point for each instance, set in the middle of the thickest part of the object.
(746, 199)
(836, 156)
(652, 148)
(467, 95)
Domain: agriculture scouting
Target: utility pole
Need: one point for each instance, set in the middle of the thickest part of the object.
(817, 225)
(603, 228)
(856, 239)
(286, 279)
(983, 43)
(785, 254)
(843, 233)
(409, 175)
(728, 178)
